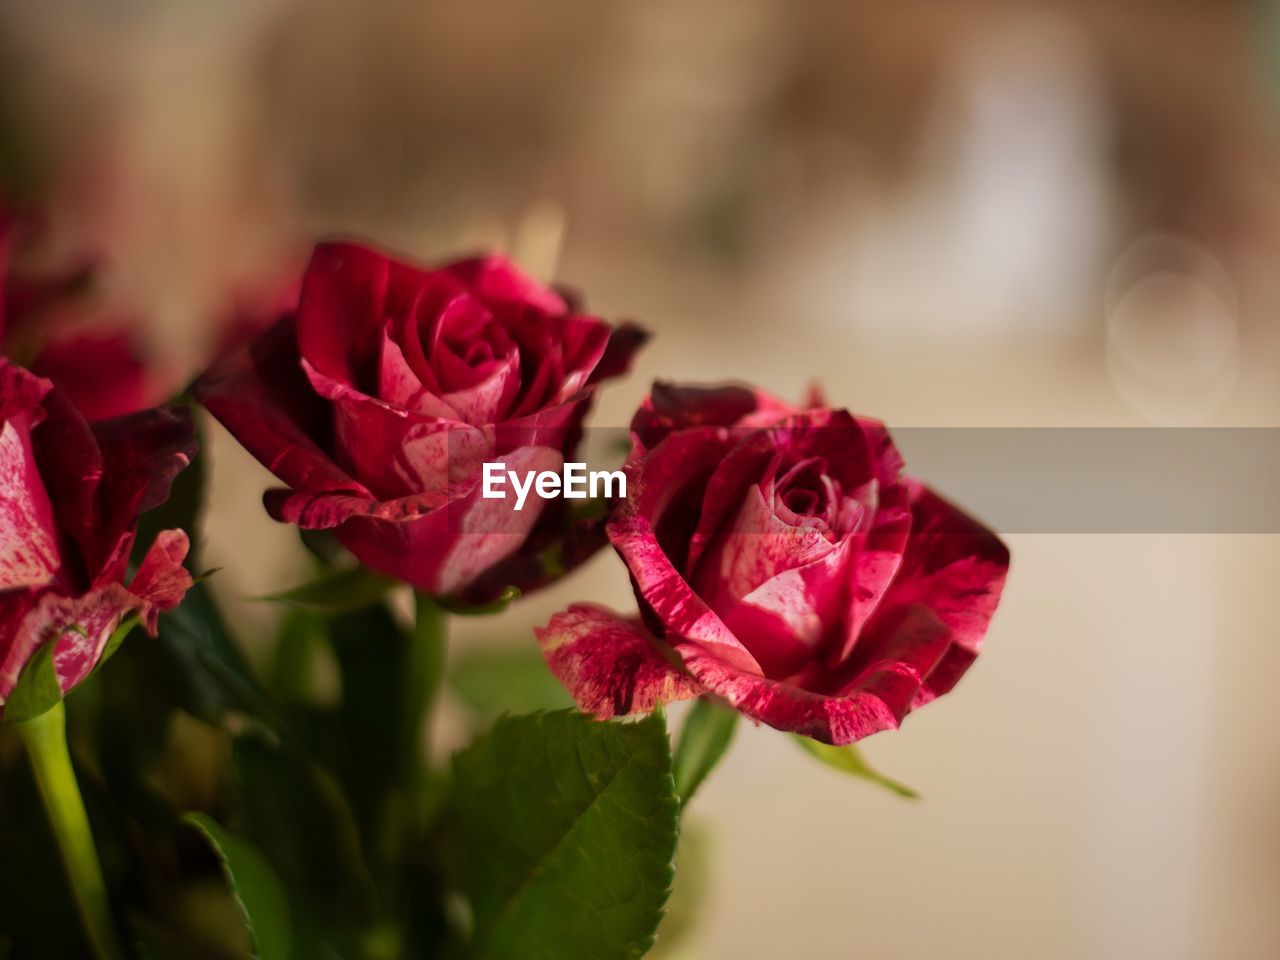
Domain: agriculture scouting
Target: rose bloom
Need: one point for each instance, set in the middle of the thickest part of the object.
(69, 506)
(783, 564)
(46, 324)
(378, 400)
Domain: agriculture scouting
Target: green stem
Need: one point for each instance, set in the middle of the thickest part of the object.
(46, 740)
(422, 671)
(425, 673)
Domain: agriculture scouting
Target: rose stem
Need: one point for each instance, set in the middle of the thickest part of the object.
(422, 671)
(46, 740)
(426, 670)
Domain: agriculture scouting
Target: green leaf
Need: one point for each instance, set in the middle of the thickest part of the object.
(302, 643)
(124, 714)
(255, 887)
(849, 760)
(704, 739)
(505, 679)
(208, 676)
(568, 832)
(37, 689)
(460, 608)
(117, 637)
(341, 591)
(297, 816)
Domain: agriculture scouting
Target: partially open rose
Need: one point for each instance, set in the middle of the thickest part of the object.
(784, 564)
(380, 399)
(69, 505)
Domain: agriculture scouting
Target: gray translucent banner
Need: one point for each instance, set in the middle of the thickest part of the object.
(1095, 480)
(1130, 480)
(1076, 480)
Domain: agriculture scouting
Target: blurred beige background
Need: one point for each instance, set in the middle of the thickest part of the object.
(963, 214)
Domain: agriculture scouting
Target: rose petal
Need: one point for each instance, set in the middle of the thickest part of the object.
(833, 435)
(672, 406)
(395, 453)
(71, 466)
(879, 558)
(753, 549)
(103, 374)
(955, 567)
(497, 278)
(262, 396)
(885, 460)
(610, 665)
(877, 699)
(162, 581)
(912, 647)
(20, 389)
(561, 542)
(624, 341)
(29, 555)
(142, 453)
(836, 720)
(80, 626)
(559, 427)
(654, 488)
(342, 309)
(582, 341)
(785, 621)
(399, 384)
(418, 332)
(486, 401)
(441, 551)
(541, 376)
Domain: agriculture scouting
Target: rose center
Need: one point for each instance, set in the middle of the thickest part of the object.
(469, 347)
(806, 490)
(802, 502)
(476, 353)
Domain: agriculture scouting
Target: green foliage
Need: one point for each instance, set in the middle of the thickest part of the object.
(297, 816)
(37, 690)
(460, 608)
(555, 837)
(849, 760)
(704, 740)
(256, 888)
(300, 641)
(338, 591)
(208, 675)
(118, 635)
(568, 832)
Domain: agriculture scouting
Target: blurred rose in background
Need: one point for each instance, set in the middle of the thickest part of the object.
(965, 214)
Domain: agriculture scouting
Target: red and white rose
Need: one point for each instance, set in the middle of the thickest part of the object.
(784, 564)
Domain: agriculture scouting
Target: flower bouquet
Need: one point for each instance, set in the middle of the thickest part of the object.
(424, 425)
